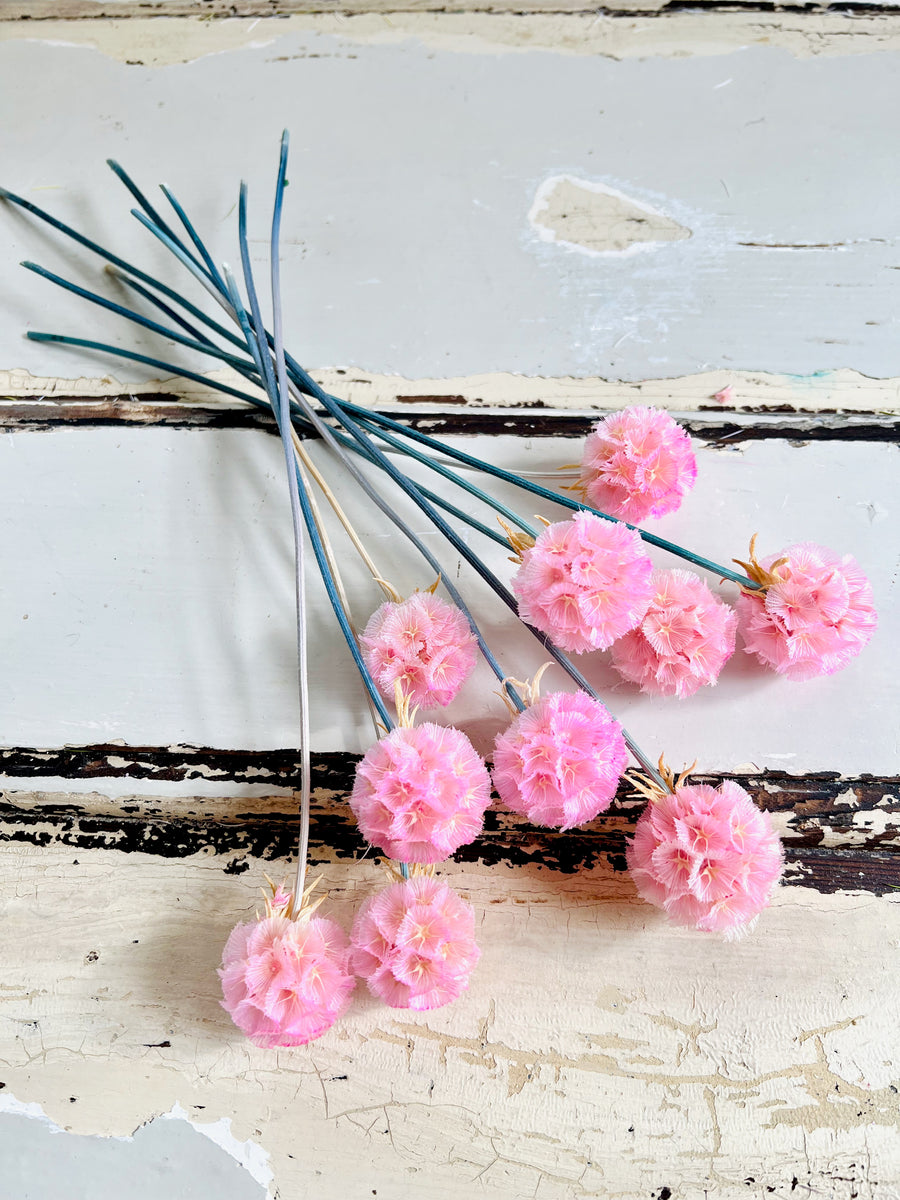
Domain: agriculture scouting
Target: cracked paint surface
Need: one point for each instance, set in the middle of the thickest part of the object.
(619, 1057)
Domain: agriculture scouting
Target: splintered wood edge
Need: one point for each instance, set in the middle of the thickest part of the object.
(839, 833)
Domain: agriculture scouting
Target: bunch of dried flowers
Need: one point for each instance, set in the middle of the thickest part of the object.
(707, 856)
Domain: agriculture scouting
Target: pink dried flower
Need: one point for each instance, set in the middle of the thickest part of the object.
(286, 981)
(684, 640)
(414, 944)
(420, 793)
(560, 761)
(425, 643)
(706, 855)
(585, 582)
(814, 617)
(637, 463)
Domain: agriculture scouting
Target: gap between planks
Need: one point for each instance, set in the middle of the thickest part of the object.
(840, 833)
(426, 412)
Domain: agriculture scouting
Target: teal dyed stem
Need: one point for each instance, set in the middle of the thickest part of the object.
(122, 263)
(465, 484)
(151, 212)
(195, 238)
(303, 380)
(537, 490)
(120, 310)
(336, 409)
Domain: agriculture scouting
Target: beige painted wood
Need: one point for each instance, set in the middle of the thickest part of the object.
(128, 33)
(756, 392)
(598, 1053)
(38, 10)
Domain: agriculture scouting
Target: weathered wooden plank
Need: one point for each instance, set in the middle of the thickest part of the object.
(839, 833)
(426, 413)
(755, 393)
(598, 1052)
(784, 270)
(115, 530)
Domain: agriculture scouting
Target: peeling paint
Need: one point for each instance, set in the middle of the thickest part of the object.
(753, 391)
(180, 39)
(70, 1165)
(597, 220)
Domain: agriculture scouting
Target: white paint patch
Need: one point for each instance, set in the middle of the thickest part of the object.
(597, 220)
(53, 42)
(252, 1157)
(22, 1108)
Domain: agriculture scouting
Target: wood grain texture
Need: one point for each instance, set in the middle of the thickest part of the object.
(840, 833)
(715, 426)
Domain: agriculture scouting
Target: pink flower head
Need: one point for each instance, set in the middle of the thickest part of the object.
(684, 640)
(814, 618)
(286, 981)
(414, 944)
(560, 761)
(420, 793)
(637, 463)
(706, 855)
(425, 643)
(585, 582)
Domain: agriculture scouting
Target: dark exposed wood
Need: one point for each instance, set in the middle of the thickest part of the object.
(63, 412)
(830, 845)
(42, 10)
(535, 420)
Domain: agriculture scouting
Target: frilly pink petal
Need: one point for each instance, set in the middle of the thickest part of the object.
(815, 620)
(637, 463)
(709, 857)
(560, 761)
(421, 793)
(585, 582)
(424, 642)
(428, 960)
(685, 638)
(286, 982)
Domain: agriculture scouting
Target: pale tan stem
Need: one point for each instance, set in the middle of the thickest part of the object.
(329, 495)
(303, 459)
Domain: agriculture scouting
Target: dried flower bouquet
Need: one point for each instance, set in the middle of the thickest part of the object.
(707, 856)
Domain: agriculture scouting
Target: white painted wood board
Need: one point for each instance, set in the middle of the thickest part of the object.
(408, 245)
(147, 596)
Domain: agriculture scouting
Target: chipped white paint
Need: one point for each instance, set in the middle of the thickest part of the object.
(181, 39)
(597, 1053)
(48, 1162)
(252, 1157)
(842, 391)
(246, 1153)
(591, 218)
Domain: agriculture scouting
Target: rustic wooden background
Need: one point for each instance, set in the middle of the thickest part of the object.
(505, 218)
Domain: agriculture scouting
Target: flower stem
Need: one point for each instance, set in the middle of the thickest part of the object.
(370, 416)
